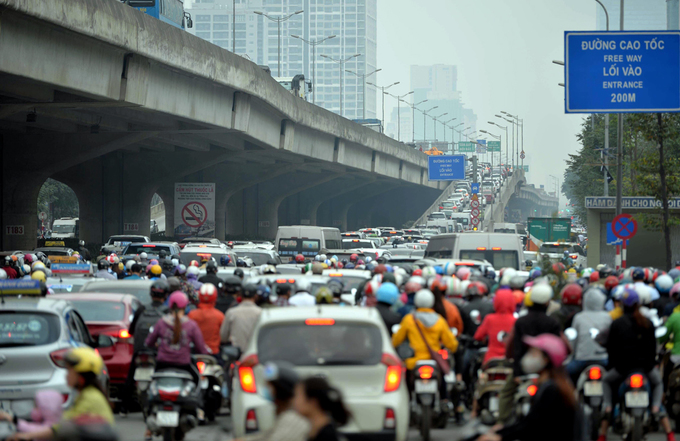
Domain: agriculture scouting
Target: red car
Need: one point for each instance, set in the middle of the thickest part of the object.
(109, 315)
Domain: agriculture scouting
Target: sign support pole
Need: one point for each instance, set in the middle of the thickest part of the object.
(617, 260)
(623, 255)
(619, 147)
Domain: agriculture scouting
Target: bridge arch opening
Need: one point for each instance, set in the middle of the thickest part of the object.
(157, 215)
(57, 200)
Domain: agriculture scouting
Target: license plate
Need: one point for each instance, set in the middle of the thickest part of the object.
(167, 419)
(493, 404)
(637, 399)
(143, 374)
(426, 386)
(592, 389)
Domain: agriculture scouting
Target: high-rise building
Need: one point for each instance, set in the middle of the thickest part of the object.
(353, 22)
(638, 15)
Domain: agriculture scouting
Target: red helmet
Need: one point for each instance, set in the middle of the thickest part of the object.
(649, 275)
(194, 263)
(417, 272)
(353, 257)
(558, 267)
(207, 294)
(300, 258)
(380, 269)
(571, 294)
(463, 273)
(594, 276)
(437, 283)
(610, 282)
(476, 289)
(340, 265)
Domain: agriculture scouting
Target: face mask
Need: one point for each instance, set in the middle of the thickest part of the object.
(532, 365)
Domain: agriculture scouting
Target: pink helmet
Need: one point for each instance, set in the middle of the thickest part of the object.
(178, 300)
(551, 345)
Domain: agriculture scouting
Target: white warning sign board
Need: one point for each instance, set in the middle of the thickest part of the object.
(194, 210)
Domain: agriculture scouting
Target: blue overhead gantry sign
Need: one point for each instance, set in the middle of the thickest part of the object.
(617, 72)
(446, 168)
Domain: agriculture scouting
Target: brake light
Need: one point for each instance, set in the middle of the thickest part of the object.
(481, 248)
(251, 421)
(58, 357)
(201, 366)
(444, 354)
(320, 322)
(425, 372)
(496, 249)
(124, 333)
(390, 420)
(281, 280)
(168, 395)
(247, 379)
(497, 377)
(636, 381)
(532, 389)
(148, 246)
(595, 373)
(395, 370)
(355, 240)
(574, 256)
(335, 275)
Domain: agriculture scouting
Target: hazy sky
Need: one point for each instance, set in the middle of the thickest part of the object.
(503, 50)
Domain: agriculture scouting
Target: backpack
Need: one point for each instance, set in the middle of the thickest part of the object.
(148, 318)
(224, 302)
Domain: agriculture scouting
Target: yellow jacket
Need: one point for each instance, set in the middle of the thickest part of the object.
(616, 312)
(434, 328)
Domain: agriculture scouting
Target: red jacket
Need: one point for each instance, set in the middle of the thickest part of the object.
(209, 321)
(498, 324)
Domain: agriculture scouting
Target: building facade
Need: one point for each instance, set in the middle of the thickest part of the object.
(352, 22)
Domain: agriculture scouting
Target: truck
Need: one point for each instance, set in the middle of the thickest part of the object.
(66, 228)
(547, 229)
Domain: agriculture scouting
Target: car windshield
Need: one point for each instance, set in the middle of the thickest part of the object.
(356, 243)
(338, 343)
(98, 311)
(122, 240)
(554, 248)
(28, 329)
(504, 230)
(292, 247)
(497, 258)
(349, 283)
(140, 290)
(186, 257)
(258, 258)
(64, 228)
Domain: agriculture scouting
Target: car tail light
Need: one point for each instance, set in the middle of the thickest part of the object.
(168, 395)
(201, 366)
(595, 373)
(247, 379)
(58, 357)
(636, 381)
(148, 246)
(251, 421)
(481, 248)
(395, 371)
(390, 420)
(496, 248)
(320, 322)
(444, 354)
(425, 372)
(123, 333)
(497, 377)
(532, 389)
(574, 256)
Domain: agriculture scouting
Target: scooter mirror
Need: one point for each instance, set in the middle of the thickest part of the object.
(571, 333)
(660, 331)
(395, 328)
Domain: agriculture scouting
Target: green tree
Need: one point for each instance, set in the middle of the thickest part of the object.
(63, 199)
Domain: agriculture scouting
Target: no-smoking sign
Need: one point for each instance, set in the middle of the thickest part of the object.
(194, 214)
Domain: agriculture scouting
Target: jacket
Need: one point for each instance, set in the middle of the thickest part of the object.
(239, 323)
(390, 317)
(453, 317)
(104, 274)
(180, 353)
(47, 411)
(565, 315)
(435, 329)
(673, 327)
(498, 324)
(214, 279)
(91, 402)
(480, 304)
(209, 321)
(593, 316)
(534, 323)
(288, 426)
(631, 347)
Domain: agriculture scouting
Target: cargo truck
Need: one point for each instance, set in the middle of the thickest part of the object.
(547, 229)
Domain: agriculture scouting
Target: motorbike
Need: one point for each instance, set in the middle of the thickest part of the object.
(491, 380)
(145, 363)
(174, 404)
(632, 416)
(426, 400)
(589, 388)
(528, 387)
(212, 379)
(230, 355)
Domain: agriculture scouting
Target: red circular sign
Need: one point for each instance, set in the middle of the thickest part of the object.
(624, 226)
(194, 214)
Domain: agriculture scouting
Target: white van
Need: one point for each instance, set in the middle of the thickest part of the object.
(501, 250)
(306, 240)
(66, 228)
(463, 219)
(505, 228)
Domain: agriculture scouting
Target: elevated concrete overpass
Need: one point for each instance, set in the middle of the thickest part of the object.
(529, 201)
(119, 106)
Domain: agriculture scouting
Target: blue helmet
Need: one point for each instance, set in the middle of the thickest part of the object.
(388, 293)
(638, 274)
(664, 283)
(439, 270)
(674, 274)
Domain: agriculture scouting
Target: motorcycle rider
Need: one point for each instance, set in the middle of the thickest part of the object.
(227, 299)
(167, 267)
(135, 271)
(283, 291)
(239, 321)
(571, 304)
(387, 296)
(534, 322)
(212, 277)
(302, 296)
(663, 284)
(498, 324)
(208, 318)
(477, 307)
(672, 329)
(631, 346)
(587, 350)
(103, 270)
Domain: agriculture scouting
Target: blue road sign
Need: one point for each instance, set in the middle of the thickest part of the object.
(475, 188)
(611, 239)
(614, 72)
(446, 168)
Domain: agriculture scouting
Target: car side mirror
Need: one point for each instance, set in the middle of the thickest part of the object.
(103, 341)
(405, 351)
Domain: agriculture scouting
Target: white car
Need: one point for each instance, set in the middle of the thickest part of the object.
(350, 347)
(554, 251)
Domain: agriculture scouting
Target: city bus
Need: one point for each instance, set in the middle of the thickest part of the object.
(168, 11)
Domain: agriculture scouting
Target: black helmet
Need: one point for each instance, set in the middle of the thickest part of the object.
(283, 378)
(232, 285)
(336, 286)
(162, 254)
(174, 284)
(605, 272)
(238, 272)
(160, 289)
(211, 267)
(103, 264)
(167, 264)
(283, 289)
(249, 291)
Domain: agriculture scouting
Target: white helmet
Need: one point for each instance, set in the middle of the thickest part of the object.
(424, 299)
(3, 274)
(27, 269)
(303, 285)
(508, 273)
(175, 262)
(193, 270)
(129, 264)
(541, 293)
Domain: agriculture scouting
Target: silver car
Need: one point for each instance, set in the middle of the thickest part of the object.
(35, 335)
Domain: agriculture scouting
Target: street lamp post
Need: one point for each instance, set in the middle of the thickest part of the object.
(413, 117)
(435, 118)
(506, 140)
(313, 44)
(383, 89)
(341, 62)
(520, 123)
(363, 79)
(278, 20)
(425, 123)
(446, 124)
(399, 99)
